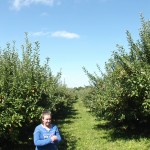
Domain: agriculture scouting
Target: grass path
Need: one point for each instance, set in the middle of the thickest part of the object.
(83, 132)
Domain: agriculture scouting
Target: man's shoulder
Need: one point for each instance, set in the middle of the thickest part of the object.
(38, 127)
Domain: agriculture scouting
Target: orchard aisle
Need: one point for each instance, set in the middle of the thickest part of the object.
(81, 129)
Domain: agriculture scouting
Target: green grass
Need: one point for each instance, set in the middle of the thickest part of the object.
(81, 131)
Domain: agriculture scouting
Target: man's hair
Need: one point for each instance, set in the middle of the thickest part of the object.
(46, 112)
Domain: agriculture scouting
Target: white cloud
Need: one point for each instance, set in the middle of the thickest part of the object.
(62, 34)
(18, 4)
(40, 33)
(65, 34)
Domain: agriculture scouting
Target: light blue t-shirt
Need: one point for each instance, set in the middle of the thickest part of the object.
(42, 138)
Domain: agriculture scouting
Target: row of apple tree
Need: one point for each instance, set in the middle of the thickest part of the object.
(26, 88)
(121, 94)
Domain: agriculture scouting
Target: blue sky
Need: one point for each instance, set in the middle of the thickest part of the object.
(72, 33)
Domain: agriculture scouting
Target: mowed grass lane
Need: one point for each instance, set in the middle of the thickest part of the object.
(81, 131)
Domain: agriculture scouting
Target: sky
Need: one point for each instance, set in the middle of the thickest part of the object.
(72, 33)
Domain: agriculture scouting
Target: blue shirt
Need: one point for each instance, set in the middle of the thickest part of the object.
(42, 138)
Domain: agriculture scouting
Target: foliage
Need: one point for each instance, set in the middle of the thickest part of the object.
(122, 94)
(27, 88)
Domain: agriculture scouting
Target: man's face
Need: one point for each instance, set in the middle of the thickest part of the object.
(47, 120)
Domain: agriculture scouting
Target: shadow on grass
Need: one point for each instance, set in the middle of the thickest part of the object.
(68, 140)
(17, 147)
(115, 133)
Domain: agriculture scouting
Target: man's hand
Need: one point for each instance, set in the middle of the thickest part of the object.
(54, 138)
